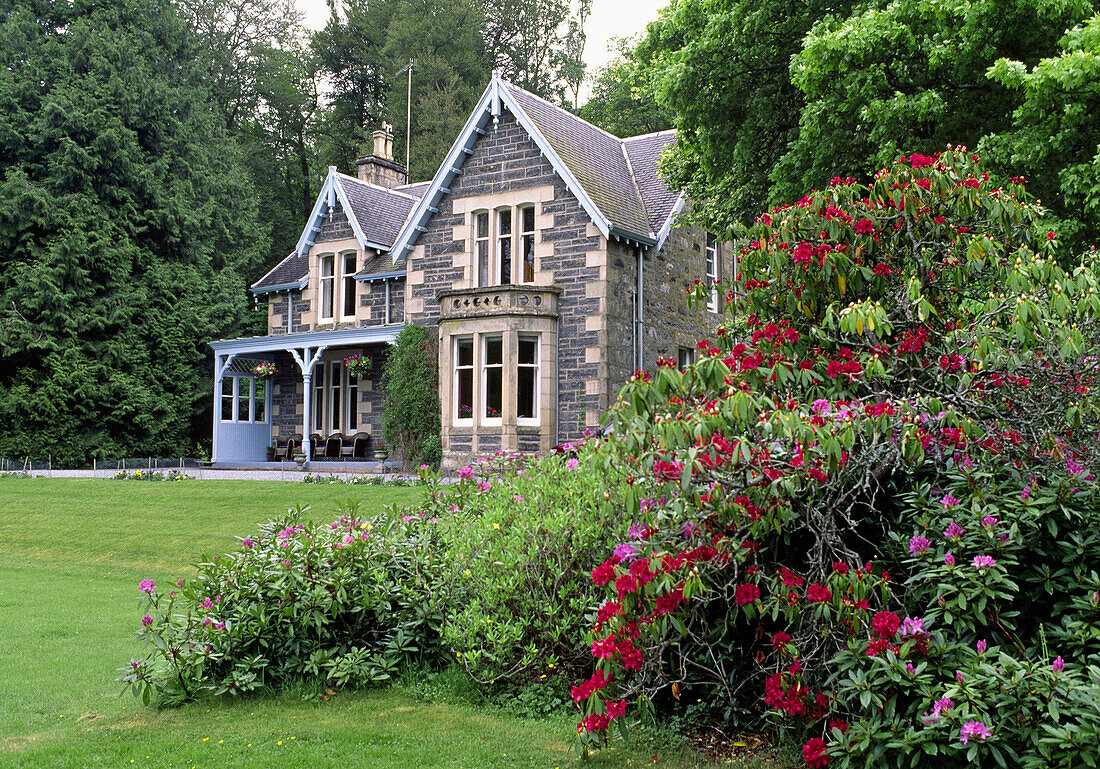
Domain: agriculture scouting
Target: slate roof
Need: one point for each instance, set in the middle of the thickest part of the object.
(644, 152)
(379, 211)
(289, 271)
(594, 156)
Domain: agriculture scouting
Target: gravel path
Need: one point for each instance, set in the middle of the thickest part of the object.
(291, 473)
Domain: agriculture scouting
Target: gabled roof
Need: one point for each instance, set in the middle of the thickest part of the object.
(644, 152)
(615, 180)
(376, 215)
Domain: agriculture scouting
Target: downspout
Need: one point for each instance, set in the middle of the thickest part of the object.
(641, 320)
(557, 380)
(290, 312)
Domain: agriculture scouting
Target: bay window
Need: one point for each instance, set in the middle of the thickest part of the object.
(527, 380)
(335, 399)
(492, 378)
(464, 379)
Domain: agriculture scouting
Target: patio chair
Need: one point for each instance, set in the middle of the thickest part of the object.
(333, 445)
(282, 450)
(316, 445)
(360, 445)
(293, 444)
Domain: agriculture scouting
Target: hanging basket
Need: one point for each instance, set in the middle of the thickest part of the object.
(264, 370)
(358, 365)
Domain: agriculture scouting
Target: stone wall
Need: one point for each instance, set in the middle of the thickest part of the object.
(505, 161)
(276, 312)
(372, 302)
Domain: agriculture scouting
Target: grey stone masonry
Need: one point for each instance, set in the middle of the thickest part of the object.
(277, 308)
(335, 227)
(504, 161)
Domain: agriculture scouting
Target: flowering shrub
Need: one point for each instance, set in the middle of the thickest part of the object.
(520, 534)
(820, 500)
(344, 602)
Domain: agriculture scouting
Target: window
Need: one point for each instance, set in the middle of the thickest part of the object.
(504, 245)
(492, 378)
(244, 399)
(481, 247)
(712, 271)
(527, 244)
(508, 254)
(349, 285)
(527, 380)
(464, 378)
(319, 399)
(352, 418)
(259, 399)
(328, 285)
(334, 378)
(685, 356)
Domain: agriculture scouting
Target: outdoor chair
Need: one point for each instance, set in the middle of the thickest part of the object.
(293, 444)
(333, 446)
(316, 446)
(360, 445)
(282, 450)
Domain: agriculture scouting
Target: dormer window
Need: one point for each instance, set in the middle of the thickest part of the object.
(328, 285)
(349, 286)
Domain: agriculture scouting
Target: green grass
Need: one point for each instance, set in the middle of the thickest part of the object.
(72, 552)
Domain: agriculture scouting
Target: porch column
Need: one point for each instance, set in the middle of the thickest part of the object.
(307, 379)
(219, 372)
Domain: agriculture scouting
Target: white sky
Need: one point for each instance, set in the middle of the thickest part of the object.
(609, 18)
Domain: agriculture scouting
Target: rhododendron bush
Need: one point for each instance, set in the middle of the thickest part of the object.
(882, 459)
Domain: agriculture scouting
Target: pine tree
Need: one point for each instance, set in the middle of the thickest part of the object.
(125, 226)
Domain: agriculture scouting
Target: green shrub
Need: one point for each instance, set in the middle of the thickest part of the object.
(345, 602)
(410, 404)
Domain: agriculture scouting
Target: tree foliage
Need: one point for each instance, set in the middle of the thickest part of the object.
(623, 99)
(125, 224)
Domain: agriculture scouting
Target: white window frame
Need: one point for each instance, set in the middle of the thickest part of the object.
(685, 356)
(712, 255)
(456, 418)
(351, 403)
(345, 277)
(504, 241)
(486, 254)
(326, 283)
(535, 420)
(237, 397)
(483, 260)
(483, 401)
(523, 237)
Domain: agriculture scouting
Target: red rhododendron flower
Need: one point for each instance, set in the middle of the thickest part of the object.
(818, 593)
(864, 227)
(840, 567)
(624, 585)
(616, 709)
(885, 624)
(607, 611)
(746, 593)
(780, 639)
(603, 573)
(813, 753)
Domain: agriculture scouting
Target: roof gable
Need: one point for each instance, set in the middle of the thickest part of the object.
(375, 213)
(599, 169)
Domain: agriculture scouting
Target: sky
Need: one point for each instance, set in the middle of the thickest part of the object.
(610, 18)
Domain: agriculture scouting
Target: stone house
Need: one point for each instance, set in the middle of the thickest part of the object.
(544, 254)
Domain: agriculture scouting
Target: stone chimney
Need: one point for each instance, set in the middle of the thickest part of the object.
(379, 167)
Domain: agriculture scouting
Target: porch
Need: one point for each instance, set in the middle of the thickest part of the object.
(313, 402)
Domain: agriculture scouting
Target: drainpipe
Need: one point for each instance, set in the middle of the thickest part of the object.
(557, 380)
(638, 330)
(290, 312)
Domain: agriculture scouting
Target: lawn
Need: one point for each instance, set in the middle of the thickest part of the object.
(72, 552)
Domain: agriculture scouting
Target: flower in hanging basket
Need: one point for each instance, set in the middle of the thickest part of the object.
(264, 369)
(358, 365)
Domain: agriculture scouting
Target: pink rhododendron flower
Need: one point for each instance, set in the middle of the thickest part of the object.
(948, 560)
(918, 544)
(147, 586)
(572, 463)
(948, 501)
(983, 562)
(912, 626)
(989, 521)
(1059, 664)
(953, 531)
(982, 646)
(146, 621)
(974, 729)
